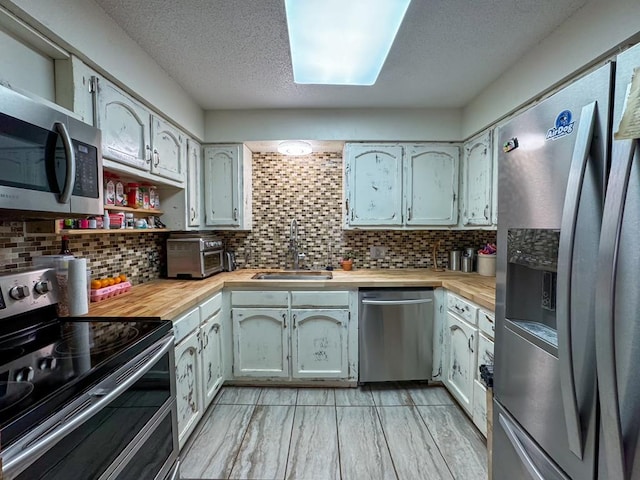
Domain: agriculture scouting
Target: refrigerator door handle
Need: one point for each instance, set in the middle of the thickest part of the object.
(563, 293)
(621, 161)
(526, 460)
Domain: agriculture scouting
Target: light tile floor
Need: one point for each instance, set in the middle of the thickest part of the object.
(387, 431)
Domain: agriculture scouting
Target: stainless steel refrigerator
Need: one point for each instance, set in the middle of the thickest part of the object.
(567, 363)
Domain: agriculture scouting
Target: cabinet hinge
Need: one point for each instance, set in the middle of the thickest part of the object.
(93, 84)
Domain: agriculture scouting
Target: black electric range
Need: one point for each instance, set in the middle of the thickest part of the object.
(48, 363)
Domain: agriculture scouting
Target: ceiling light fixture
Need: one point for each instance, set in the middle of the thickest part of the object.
(295, 147)
(340, 42)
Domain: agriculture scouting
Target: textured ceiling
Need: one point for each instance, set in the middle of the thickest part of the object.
(234, 54)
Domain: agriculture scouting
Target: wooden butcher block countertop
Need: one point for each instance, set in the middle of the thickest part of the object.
(169, 298)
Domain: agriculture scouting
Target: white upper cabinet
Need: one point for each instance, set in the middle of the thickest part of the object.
(374, 179)
(194, 189)
(141, 143)
(169, 150)
(227, 187)
(125, 125)
(477, 181)
(403, 186)
(431, 185)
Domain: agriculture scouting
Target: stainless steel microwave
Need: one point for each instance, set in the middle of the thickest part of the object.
(50, 163)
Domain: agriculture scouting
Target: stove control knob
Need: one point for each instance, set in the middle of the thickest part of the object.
(47, 363)
(19, 292)
(24, 375)
(43, 287)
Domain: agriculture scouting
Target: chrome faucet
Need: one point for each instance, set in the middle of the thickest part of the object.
(294, 244)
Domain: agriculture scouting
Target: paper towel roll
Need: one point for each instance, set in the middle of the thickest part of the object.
(77, 287)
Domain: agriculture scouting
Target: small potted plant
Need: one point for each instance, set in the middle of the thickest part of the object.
(347, 261)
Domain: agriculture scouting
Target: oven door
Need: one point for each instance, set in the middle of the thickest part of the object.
(125, 427)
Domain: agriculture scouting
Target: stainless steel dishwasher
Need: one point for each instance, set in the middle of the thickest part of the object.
(395, 334)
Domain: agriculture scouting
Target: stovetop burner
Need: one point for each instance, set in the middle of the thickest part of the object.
(80, 341)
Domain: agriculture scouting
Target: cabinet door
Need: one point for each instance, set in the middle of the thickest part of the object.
(319, 343)
(431, 185)
(169, 150)
(480, 406)
(485, 353)
(374, 184)
(211, 337)
(125, 126)
(460, 343)
(261, 342)
(222, 186)
(477, 181)
(193, 183)
(188, 385)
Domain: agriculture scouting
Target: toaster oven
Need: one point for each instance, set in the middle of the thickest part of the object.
(194, 255)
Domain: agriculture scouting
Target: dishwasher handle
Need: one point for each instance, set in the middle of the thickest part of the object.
(417, 301)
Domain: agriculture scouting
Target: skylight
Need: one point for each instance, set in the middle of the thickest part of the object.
(341, 42)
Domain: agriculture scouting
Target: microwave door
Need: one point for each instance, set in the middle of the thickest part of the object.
(34, 166)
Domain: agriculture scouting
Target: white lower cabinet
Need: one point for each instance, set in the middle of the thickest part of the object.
(319, 343)
(261, 342)
(460, 360)
(293, 336)
(188, 385)
(467, 343)
(198, 362)
(212, 370)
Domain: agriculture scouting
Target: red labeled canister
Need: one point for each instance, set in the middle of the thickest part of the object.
(134, 195)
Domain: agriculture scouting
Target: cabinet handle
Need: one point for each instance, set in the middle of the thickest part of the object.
(284, 320)
(193, 214)
(156, 158)
(235, 214)
(409, 213)
(486, 212)
(147, 155)
(199, 337)
(469, 343)
(352, 214)
(294, 320)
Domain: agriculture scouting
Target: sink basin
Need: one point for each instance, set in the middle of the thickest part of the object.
(293, 275)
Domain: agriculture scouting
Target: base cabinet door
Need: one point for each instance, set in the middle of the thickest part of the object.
(188, 385)
(261, 342)
(212, 377)
(460, 360)
(319, 343)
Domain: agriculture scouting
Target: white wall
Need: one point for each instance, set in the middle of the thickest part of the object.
(587, 36)
(83, 28)
(333, 124)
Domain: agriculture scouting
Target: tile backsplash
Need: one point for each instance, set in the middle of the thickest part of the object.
(139, 256)
(309, 189)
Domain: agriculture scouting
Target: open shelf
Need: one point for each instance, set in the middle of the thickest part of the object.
(150, 211)
(91, 231)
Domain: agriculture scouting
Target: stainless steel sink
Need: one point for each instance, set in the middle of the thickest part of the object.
(293, 275)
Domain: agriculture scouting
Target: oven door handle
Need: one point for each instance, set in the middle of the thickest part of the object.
(95, 400)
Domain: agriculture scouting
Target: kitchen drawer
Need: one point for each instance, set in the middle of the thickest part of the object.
(240, 298)
(186, 324)
(211, 306)
(462, 308)
(320, 299)
(487, 322)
